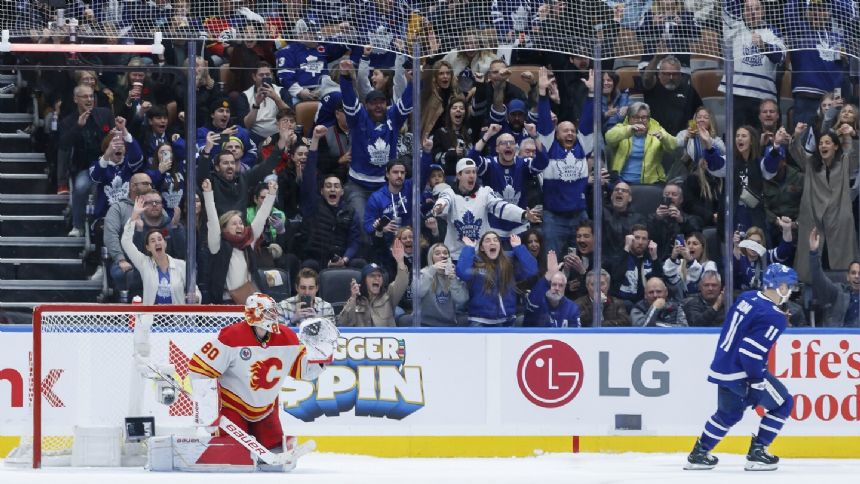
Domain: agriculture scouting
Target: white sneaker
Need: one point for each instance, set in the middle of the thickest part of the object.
(75, 232)
(98, 275)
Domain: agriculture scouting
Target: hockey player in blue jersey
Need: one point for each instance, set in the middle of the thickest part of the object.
(739, 368)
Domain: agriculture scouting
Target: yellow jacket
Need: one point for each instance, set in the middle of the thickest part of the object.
(619, 140)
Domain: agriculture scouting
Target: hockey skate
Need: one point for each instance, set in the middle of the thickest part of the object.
(700, 459)
(759, 459)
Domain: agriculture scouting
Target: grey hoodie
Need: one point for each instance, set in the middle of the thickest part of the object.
(439, 296)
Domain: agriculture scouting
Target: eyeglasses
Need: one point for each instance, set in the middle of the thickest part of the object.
(144, 183)
(152, 203)
(507, 142)
(621, 190)
(85, 96)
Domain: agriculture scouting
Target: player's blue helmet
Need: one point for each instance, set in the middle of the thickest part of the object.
(777, 274)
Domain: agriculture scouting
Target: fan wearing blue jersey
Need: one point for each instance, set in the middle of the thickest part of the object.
(739, 369)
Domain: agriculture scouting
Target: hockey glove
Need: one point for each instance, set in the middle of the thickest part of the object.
(319, 335)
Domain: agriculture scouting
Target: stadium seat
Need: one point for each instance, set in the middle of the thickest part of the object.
(518, 81)
(627, 78)
(335, 286)
(646, 198)
(706, 82)
(701, 62)
(717, 106)
(712, 242)
(305, 114)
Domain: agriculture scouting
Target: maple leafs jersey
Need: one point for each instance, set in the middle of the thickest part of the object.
(467, 215)
(566, 174)
(249, 373)
(750, 330)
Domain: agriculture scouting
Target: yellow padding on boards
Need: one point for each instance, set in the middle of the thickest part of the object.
(443, 446)
(7, 443)
(783, 446)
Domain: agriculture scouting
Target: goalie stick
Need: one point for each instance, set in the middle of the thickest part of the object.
(247, 440)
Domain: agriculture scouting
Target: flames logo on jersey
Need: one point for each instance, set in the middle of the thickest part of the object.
(260, 373)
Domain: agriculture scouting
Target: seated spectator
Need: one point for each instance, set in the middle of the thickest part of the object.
(751, 257)
(839, 301)
(467, 206)
(440, 294)
(688, 140)
(332, 230)
(368, 305)
(122, 272)
(657, 308)
(233, 246)
(121, 158)
(670, 94)
(391, 82)
(826, 201)
(406, 237)
(286, 138)
(614, 310)
(547, 305)
(168, 176)
(438, 88)
(491, 277)
(618, 219)
(218, 123)
(684, 267)
(452, 140)
(230, 185)
(305, 304)
(302, 66)
(639, 144)
(163, 276)
(707, 307)
(613, 101)
(533, 241)
(579, 259)
(154, 132)
(629, 270)
(258, 106)
(669, 221)
(207, 90)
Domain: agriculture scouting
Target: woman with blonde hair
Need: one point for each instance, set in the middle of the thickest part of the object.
(684, 268)
(702, 191)
(435, 95)
(440, 294)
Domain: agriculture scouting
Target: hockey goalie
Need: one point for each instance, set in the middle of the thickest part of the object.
(236, 379)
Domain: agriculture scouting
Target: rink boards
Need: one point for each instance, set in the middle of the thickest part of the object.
(429, 393)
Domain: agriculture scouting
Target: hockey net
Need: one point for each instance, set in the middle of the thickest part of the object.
(623, 27)
(84, 365)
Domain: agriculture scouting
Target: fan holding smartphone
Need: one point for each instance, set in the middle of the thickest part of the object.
(305, 304)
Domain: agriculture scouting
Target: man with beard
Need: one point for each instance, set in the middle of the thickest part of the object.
(839, 301)
(617, 219)
(508, 174)
(633, 266)
(577, 259)
(117, 215)
(669, 221)
(706, 308)
(672, 98)
(218, 123)
(493, 89)
(547, 305)
(657, 309)
(155, 217)
(511, 120)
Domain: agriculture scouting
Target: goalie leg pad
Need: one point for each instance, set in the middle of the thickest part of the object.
(198, 454)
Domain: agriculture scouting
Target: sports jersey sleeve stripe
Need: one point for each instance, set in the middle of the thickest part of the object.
(745, 351)
(755, 344)
(197, 365)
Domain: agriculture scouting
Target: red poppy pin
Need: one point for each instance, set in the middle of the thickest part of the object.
(146, 91)
(106, 128)
(474, 195)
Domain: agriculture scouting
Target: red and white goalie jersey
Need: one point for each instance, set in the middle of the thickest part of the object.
(249, 372)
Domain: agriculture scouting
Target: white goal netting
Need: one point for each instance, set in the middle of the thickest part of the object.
(85, 361)
(623, 27)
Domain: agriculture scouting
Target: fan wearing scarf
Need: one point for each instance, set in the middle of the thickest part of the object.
(233, 246)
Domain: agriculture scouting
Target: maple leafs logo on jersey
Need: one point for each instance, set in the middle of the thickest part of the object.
(260, 374)
(510, 195)
(379, 152)
(172, 198)
(469, 227)
(116, 191)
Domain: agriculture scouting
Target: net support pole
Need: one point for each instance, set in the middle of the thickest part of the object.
(728, 183)
(597, 187)
(191, 174)
(417, 216)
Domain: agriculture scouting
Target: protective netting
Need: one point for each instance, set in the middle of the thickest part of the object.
(91, 378)
(624, 27)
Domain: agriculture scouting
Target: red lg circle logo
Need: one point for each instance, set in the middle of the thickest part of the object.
(550, 373)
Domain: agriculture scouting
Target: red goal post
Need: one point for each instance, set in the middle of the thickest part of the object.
(84, 369)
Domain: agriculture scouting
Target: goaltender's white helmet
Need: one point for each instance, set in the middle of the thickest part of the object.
(261, 310)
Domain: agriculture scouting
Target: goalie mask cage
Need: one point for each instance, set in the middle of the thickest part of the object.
(84, 372)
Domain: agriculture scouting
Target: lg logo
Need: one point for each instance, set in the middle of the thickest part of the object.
(550, 373)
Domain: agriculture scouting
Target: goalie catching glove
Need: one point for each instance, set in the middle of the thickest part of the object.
(319, 335)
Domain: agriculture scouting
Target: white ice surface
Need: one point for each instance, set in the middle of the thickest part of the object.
(555, 468)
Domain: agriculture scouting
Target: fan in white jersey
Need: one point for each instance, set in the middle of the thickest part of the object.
(248, 360)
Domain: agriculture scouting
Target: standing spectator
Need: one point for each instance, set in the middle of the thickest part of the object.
(669, 93)
(121, 158)
(303, 66)
(439, 89)
(81, 135)
(614, 310)
(154, 217)
(703, 191)
(305, 304)
(273, 238)
(493, 89)
(769, 120)
(170, 182)
(367, 304)
(451, 140)
(667, 27)
(629, 270)
(751, 257)
(466, 208)
(335, 150)
(840, 301)
(374, 130)
(758, 51)
(163, 276)
(657, 308)
(121, 270)
(706, 308)
(815, 44)
(391, 82)
(669, 221)
(491, 277)
(618, 219)
(826, 201)
(533, 241)
(688, 140)
(547, 305)
(639, 144)
(782, 188)
(219, 120)
(440, 294)
(613, 101)
(258, 106)
(686, 265)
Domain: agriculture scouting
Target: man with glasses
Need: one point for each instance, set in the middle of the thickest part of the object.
(118, 214)
(155, 217)
(670, 94)
(618, 219)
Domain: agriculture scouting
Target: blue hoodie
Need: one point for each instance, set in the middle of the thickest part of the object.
(394, 205)
(493, 308)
